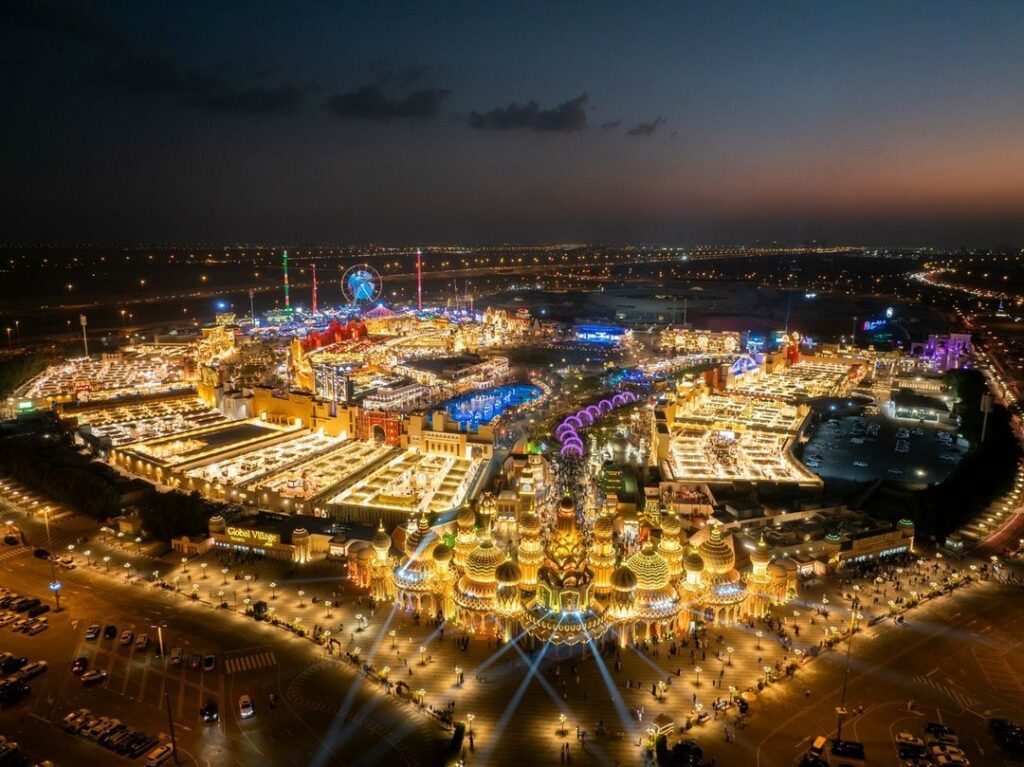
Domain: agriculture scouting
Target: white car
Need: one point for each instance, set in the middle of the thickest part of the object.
(245, 707)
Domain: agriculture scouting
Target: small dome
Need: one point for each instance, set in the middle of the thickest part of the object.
(761, 555)
(716, 553)
(670, 525)
(651, 569)
(442, 553)
(364, 555)
(776, 570)
(488, 505)
(529, 524)
(566, 506)
(483, 561)
(623, 579)
(603, 526)
(381, 540)
(693, 563)
(466, 519)
(508, 572)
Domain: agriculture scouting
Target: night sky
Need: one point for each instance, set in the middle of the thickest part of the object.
(425, 122)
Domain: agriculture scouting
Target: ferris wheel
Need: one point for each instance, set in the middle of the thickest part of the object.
(361, 284)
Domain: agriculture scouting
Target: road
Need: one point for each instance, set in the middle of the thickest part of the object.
(322, 713)
(956, 661)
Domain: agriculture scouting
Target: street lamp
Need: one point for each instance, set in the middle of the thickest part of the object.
(767, 673)
(248, 586)
(54, 583)
(203, 566)
(561, 719)
(661, 689)
(184, 563)
(423, 661)
(470, 718)
(421, 693)
(106, 561)
(301, 595)
(224, 572)
(697, 670)
(729, 651)
(759, 634)
(392, 635)
(88, 556)
(458, 675)
(167, 695)
(127, 571)
(273, 589)
(328, 603)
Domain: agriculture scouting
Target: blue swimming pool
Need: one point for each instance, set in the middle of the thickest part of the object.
(483, 406)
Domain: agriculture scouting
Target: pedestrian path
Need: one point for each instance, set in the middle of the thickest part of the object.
(962, 698)
(250, 662)
(10, 552)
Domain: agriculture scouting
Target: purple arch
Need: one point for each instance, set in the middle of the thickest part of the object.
(629, 396)
(563, 427)
(585, 417)
(574, 421)
(567, 449)
(594, 411)
(605, 406)
(618, 400)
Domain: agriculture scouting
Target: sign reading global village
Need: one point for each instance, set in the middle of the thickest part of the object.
(244, 535)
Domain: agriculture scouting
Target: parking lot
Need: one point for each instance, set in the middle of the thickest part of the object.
(870, 447)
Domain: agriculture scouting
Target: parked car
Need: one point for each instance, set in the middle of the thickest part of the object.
(159, 755)
(209, 663)
(93, 631)
(142, 641)
(94, 677)
(32, 670)
(109, 631)
(126, 637)
(79, 665)
(176, 655)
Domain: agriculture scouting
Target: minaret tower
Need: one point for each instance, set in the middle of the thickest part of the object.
(287, 296)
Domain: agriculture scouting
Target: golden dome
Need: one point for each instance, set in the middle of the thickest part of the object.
(623, 579)
(483, 561)
(529, 524)
(693, 563)
(381, 540)
(651, 569)
(761, 555)
(466, 519)
(718, 556)
(488, 505)
(508, 573)
(603, 526)
(442, 554)
(776, 570)
(670, 525)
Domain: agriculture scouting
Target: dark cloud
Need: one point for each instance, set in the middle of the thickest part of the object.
(645, 129)
(372, 102)
(123, 65)
(70, 20)
(566, 117)
(610, 125)
(198, 89)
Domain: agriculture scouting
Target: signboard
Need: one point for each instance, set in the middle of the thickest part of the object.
(249, 537)
(54, 585)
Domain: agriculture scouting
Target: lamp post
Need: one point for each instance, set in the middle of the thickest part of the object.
(203, 567)
(392, 635)
(184, 564)
(561, 719)
(759, 634)
(661, 689)
(224, 572)
(88, 556)
(127, 571)
(301, 595)
(470, 718)
(167, 695)
(248, 584)
(328, 603)
(767, 673)
(729, 651)
(106, 562)
(273, 589)
(54, 583)
(458, 675)
(421, 693)
(423, 661)
(697, 670)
